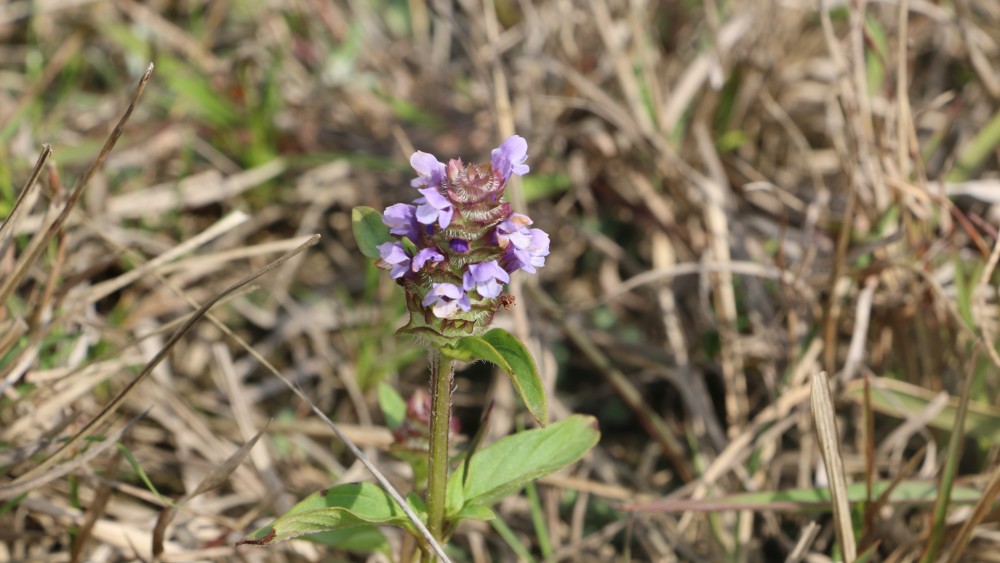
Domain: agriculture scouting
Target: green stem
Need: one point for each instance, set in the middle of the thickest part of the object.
(437, 461)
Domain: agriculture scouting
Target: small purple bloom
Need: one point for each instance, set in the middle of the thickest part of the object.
(509, 157)
(431, 171)
(434, 207)
(393, 254)
(423, 256)
(401, 220)
(533, 254)
(459, 245)
(446, 299)
(514, 230)
(485, 277)
(526, 248)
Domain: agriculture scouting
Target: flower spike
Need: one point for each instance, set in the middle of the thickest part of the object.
(459, 242)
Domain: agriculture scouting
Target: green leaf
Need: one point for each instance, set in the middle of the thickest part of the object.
(454, 496)
(393, 406)
(472, 348)
(524, 373)
(475, 512)
(415, 502)
(501, 348)
(505, 466)
(369, 231)
(352, 505)
(366, 539)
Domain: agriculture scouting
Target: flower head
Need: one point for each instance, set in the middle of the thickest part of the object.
(458, 243)
(486, 278)
(446, 299)
(509, 157)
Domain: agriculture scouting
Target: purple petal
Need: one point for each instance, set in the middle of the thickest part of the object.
(445, 299)
(423, 256)
(459, 245)
(510, 156)
(434, 207)
(489, 271)
(401, 220)
(393, 253)
(514, 230)
(441, 291)
(539, 245)
(522, 260)
(431, 172)
(485, 277)
(434, 198)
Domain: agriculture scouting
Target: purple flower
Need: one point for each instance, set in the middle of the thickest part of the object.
(434, 207)
(401, 220)
(530, 256)
(526, 248)
(445, 299)
(423, 256)
(509, 157)
(459, 245)
(485, 277)
(393, 254)
(514, 230)
(431, 172)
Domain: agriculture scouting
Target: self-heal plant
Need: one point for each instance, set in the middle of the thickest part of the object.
(452, 250)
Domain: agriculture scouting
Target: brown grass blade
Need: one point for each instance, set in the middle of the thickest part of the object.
(28, 259)
(829, 442)
(27, 483)
(96, 509)
(214, 479)
(111, 407)
(25, 200)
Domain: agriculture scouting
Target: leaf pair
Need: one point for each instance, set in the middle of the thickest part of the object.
(346, 514)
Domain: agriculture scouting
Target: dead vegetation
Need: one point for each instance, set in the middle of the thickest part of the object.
(740, 196)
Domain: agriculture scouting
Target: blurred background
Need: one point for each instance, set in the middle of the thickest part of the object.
(739, 194)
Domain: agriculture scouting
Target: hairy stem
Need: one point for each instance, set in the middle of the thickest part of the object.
(437, 470)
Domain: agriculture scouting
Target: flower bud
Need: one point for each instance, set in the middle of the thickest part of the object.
(413, 434)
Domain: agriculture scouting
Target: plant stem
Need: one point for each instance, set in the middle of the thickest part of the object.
(437, 462)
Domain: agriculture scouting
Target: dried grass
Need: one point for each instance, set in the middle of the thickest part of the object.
(740, 195)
